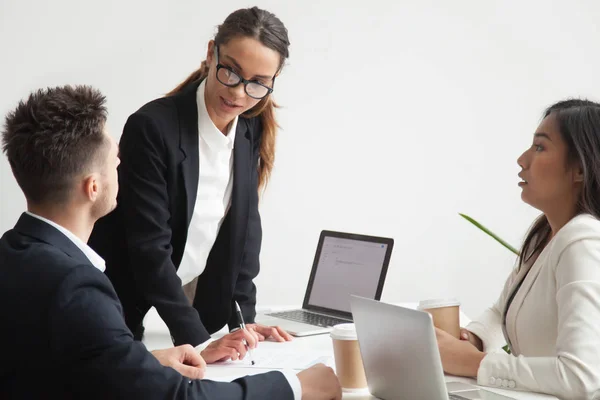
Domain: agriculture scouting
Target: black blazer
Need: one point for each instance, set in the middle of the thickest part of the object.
(143, 240)
(64, 335)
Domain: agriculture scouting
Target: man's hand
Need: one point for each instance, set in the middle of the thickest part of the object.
(319, 383)
(230, 346)
(183, 359)
(459, 357)
(265, 332)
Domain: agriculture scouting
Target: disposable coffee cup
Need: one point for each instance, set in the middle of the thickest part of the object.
(348, 362)
(445, 314)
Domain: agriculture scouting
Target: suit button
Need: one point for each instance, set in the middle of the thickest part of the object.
(492, 381)
(511, 384)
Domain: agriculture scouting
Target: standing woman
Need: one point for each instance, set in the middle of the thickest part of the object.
(186, 234)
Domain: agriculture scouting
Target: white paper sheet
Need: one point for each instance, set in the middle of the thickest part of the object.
(279, 358)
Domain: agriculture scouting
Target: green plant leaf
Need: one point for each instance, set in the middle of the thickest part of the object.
(493, 235)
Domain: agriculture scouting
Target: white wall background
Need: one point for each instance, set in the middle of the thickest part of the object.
(397, 115)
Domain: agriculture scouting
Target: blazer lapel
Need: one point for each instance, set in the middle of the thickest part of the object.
(188, 143)
(525, 280)
(190, 164)
(240, 203)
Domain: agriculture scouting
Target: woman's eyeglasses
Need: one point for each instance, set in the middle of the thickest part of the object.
(230, 78)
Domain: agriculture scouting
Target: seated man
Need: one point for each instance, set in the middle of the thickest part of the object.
(63, 333)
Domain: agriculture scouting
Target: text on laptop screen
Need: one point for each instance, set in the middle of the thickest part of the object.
(346, 267)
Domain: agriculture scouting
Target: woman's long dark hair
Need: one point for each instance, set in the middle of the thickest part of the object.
(579, 126)
(270, 31)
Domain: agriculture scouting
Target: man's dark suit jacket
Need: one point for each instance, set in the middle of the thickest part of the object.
(63, 334)
(143, 239)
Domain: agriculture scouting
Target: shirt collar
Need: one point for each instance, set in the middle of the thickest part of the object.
(215, 139)
(94, 258)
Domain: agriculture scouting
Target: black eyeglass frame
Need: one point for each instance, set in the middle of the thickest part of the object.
(241, 79)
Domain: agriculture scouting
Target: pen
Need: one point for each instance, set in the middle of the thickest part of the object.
(238, 310)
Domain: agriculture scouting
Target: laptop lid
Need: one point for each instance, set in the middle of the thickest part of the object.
(399, 351)
(346, 264)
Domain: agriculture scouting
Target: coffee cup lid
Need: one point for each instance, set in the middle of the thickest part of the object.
(438, 303)
(344, 332)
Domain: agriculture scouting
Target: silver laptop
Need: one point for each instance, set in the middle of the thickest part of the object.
(344, 264)
(401, 357)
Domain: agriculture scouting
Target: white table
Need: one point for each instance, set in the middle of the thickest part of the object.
(157, 336)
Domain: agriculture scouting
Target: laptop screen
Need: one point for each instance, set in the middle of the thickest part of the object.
(344, 266)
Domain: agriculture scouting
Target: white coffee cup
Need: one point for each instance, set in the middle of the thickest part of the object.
(445, 314)
(348, 361)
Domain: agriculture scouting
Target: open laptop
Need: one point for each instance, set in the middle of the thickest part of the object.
(344, 264)
(400, 355)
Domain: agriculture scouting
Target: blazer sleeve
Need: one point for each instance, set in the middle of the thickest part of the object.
(488, 326)
(574, 372)
(144, 202)
(245, 289)
(90, 341)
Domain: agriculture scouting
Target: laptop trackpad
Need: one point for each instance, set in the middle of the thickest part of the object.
(470, 392)
(457, 386)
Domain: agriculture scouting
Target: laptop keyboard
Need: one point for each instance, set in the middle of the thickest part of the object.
(309, 318)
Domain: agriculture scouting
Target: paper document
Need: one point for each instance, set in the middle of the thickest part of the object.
(211, 376)
(279, 358)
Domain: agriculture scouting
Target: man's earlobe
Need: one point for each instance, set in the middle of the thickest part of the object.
(91, 187)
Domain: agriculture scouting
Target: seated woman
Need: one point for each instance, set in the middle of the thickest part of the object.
(549, 310)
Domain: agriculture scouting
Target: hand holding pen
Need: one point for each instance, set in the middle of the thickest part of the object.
(240, 317)
(233, 346)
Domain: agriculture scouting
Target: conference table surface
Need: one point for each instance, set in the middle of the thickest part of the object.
(156, 336)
